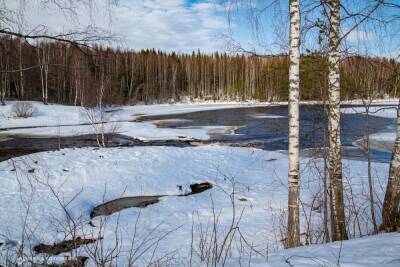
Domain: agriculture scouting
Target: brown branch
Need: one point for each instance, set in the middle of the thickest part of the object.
(60, 37)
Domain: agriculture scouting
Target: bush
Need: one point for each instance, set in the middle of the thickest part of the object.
(23, 109)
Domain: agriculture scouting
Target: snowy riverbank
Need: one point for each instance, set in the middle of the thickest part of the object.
(43, 194)
(87, 177)
(60, 120)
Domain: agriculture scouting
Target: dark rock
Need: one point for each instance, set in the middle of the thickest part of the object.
(200, 187)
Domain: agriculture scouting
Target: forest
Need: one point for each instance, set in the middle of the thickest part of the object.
(63, 73)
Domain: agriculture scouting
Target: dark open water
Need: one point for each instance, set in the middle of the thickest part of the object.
(261, 127)
(267, 127)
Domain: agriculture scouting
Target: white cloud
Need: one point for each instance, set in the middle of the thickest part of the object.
(360, 36)
(170, 25)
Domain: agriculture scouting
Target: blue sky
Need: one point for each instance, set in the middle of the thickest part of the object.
(369, 38)
(210, 25)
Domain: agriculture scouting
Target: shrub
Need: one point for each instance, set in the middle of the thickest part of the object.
(23, 109)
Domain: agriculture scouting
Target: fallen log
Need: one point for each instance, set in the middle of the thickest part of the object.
(119, 204)
(64, 246)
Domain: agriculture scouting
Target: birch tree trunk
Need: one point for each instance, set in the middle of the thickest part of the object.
(43, 59)
(46, 80)
(4, 76)
(369, 160)
(335, 165)
(390, 210)
(294, 82)
(21, 73)
(76, 86)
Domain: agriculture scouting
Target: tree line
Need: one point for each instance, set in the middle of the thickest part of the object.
(60, 72)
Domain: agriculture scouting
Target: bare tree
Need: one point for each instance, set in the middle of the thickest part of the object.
(4, 65)
(391, 204)
(12, 22)
(14, 26)
(337, 203)
(43, 55)
(294, 83)
(21, 90)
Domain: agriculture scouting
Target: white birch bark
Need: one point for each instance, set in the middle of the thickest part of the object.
(335, 168)
(46, 58)
(294, 83)
(76, 87)
(391, 204)
(21, 73)
(43, 59)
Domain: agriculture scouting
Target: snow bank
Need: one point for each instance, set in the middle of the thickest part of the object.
(379, 250)
(90, 176)
(382, 141)
(60, 120)
(54, 114)
(380, 108)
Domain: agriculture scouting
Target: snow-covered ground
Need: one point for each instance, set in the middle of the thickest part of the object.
(382, 140)
(83, 178)
(34, 188)
(387, 110)
(61, 120)
(380, 250)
